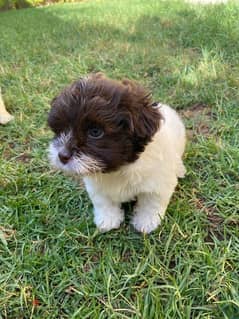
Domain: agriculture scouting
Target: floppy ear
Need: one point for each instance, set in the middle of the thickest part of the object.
(145, 118)
(58, 117)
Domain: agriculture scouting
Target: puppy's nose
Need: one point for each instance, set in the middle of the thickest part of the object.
(64, 156)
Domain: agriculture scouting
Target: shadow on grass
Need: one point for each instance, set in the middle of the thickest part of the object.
(67, 29)
(68, 41)
(189, 29)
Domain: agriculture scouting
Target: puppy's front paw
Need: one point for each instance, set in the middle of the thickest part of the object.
(106, 221)
(145, 223)
(5, 118)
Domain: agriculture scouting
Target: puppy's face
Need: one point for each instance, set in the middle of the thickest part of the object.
(100, 125)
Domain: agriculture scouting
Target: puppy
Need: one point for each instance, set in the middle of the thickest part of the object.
(124, 146)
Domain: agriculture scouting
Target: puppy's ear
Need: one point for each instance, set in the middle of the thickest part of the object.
(58, 117)
(54, 119)
(144, 118)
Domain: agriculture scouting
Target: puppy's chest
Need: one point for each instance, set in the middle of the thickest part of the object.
(118, 188)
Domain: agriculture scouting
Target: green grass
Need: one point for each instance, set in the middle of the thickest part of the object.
(53, 263)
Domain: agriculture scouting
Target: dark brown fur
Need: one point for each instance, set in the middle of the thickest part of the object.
(122, 109)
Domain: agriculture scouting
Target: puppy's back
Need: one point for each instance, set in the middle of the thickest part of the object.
(173, 127)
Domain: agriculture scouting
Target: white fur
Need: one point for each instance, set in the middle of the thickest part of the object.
(152, 179)
(78, 164)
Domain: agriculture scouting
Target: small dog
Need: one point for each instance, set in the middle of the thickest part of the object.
(124, 146)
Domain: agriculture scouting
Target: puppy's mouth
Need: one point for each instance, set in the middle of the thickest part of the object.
(73, 164)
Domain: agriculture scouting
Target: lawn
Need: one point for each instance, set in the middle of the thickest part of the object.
(53, 262)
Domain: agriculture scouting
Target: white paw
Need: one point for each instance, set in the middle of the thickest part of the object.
(106, 221)
(145, 223)
(5, 118)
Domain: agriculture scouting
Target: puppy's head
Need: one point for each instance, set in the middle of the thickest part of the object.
(100, 125)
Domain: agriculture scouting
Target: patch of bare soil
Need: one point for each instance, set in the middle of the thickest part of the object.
(24, 158)
(201, 117)
(215, 222)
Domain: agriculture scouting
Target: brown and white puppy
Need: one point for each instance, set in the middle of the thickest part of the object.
(123, 145)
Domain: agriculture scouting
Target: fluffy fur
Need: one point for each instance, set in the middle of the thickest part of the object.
(124, 147)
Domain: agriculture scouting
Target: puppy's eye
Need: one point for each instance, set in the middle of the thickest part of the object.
(95, 132)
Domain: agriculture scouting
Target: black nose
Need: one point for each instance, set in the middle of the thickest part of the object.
(64, 156)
